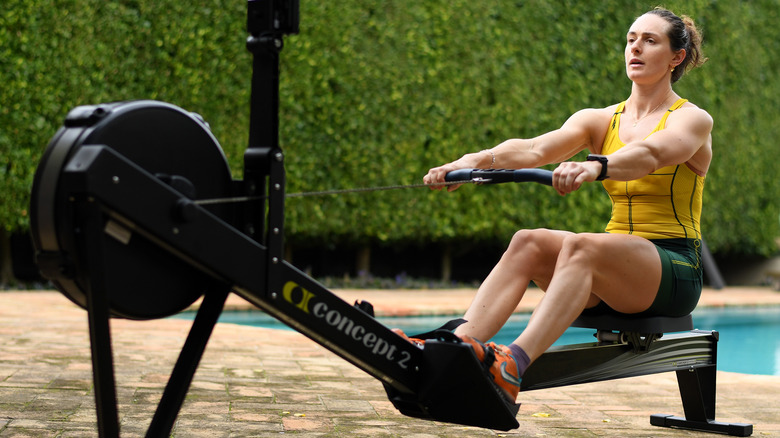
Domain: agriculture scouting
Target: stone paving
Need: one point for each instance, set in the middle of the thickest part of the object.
(255, 382)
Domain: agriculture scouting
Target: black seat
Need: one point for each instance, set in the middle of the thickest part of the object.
(636, 324)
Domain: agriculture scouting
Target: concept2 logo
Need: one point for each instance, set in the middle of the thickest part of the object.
(307, 302)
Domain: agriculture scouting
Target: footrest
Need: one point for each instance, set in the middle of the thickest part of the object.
(733, 429)
(455, 388)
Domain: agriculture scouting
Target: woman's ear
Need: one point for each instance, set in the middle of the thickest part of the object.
(678, 58)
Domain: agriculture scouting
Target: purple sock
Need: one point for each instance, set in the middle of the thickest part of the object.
(521, 357)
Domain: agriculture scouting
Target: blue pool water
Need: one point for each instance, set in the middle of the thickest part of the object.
(749, 337)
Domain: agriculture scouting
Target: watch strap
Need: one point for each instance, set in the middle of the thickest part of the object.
(603, 160)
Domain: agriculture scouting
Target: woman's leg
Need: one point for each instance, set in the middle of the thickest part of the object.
(622, 270)
(531, 256)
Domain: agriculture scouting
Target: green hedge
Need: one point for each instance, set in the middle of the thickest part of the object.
(374, 93)
(55, 57)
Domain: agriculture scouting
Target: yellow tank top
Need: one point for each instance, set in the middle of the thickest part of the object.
(665, 204)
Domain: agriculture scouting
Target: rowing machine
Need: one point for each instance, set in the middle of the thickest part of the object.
(121, 228)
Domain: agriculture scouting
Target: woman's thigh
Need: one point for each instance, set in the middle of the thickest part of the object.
(626, 270)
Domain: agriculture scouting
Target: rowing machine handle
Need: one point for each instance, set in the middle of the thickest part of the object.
(495, 176)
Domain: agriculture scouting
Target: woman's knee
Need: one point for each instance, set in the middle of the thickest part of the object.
(535, 248)
(579, 248)
(540, 237)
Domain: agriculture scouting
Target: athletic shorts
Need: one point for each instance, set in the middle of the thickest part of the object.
(681, 279)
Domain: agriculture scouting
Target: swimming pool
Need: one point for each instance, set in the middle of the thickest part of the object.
(749, 337)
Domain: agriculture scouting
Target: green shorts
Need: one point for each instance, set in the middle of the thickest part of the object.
(681, 279)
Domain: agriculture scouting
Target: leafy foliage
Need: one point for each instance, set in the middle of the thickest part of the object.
(374, 93)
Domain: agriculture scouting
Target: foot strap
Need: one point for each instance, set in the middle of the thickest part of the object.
(445, 332)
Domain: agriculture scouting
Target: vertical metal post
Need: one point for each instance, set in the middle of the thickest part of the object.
(99, 323)
(697, 390)
(267, 22)
(263, 127)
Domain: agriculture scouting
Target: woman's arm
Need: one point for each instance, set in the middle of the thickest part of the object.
(687, 131)
(581, 131)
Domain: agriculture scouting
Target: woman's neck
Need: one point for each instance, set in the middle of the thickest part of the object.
(645, 99)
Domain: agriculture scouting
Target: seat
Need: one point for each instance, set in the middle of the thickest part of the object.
(637, 324)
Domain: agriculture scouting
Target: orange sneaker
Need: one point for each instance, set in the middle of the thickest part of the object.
(501, 364)
(420, 343)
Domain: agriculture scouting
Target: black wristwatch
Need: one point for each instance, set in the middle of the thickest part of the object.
(603, 160)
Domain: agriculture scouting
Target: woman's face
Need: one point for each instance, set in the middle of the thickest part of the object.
(649, 57)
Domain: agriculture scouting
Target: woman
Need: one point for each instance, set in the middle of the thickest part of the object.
(652, 153)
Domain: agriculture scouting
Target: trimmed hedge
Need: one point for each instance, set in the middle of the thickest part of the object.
(374, 93)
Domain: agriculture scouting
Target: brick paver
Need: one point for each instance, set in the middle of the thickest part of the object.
(261, 382)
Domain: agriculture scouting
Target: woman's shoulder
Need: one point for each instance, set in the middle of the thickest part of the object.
(690, 112)
(688, 105)
(593, 122)
(595, 116)
(612, 109)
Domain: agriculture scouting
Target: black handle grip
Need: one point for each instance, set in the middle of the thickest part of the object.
(459, 175)
(495, 176)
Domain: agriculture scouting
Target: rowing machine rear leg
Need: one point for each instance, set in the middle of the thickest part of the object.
(697, 390)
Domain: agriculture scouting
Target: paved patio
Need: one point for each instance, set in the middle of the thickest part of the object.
(261, 382)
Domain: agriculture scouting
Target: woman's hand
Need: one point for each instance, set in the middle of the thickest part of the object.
(570, 175)
(435, 176)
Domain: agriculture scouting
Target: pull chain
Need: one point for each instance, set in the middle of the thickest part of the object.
(330, 192)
